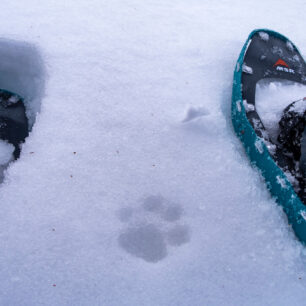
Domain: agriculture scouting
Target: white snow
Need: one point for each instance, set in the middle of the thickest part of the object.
(238, 104)
(247, 69)
(194, 112)
(300, 106)
(248, 106)
(115, 201)
(289, 45)
(258, 145)
(237, 67)
(270, 146)
(272, 97)
(264, 36)
(303, 214)
(281, 181)
(6, 151)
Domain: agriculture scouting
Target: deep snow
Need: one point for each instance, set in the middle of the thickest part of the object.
(132, 188)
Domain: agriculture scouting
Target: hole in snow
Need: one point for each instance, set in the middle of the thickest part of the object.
(22, 72)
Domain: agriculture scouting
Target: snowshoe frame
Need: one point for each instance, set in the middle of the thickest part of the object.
(255, 142)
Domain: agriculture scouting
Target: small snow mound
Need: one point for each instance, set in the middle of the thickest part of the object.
(292, 179)
(271, 147)
(238, 106)
(296, 58)
(300, 106)
(13, 99)
(194, 112)
(6, 152)
(289, 45)
(264, 36)
(281, 182)
(247, 69)
(238, 67)
(259, 146)
(303, 214)
(248, 107)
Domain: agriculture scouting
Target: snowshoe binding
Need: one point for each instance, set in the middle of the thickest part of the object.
(270, 55)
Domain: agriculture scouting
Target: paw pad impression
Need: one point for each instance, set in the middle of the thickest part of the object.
(152, 228)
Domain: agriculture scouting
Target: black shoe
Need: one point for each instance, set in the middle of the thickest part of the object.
(13, 120)
(292, 142)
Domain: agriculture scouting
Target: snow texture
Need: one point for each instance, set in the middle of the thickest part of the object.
(6, 152)
(289, 45)
(247, 69)
(152, 227)
(195, 112)
(272, 97)
(248, 107)
(264, 36)
(299, 106)
(115, 200)
(282, 182)
(259, 146)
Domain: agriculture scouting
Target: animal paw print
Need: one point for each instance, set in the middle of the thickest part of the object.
(152, 228)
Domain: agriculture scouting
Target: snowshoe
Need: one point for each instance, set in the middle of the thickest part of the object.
(13, 120)
(270, 55)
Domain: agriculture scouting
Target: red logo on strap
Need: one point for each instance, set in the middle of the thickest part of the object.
(280, 62)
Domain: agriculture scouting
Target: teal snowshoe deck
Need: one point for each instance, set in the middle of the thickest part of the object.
(267, 55)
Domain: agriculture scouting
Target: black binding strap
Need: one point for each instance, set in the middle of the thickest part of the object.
(303, 154)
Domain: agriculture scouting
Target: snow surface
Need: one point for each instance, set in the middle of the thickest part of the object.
(115, 200)
(300, 106)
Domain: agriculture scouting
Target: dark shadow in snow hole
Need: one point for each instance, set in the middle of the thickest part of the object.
(22, 72)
